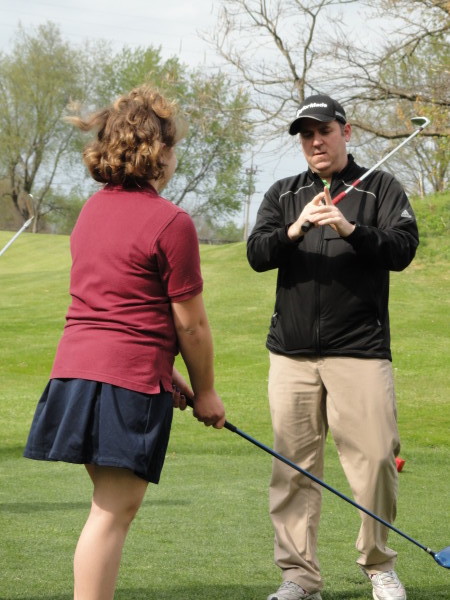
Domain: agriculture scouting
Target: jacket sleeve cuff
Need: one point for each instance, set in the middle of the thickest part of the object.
(283, 236)
(356, 235)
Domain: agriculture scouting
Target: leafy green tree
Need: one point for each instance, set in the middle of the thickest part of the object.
(208, 177)
(43, 75)
(229, 232)
(119, 72)
(63, 209)
(37, 79)
(217, 233)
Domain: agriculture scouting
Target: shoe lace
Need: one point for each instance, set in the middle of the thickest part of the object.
(291, 585)
(388, 579)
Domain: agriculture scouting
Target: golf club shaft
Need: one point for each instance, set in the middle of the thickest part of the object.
(306, 473)
(307, 224)
(16, 235)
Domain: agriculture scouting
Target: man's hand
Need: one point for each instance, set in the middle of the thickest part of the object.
(295, 230)
(329, 214)
(321, 211)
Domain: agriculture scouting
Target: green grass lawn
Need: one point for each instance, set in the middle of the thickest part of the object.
(204, 532)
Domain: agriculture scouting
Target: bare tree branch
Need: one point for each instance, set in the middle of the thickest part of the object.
(285, 50)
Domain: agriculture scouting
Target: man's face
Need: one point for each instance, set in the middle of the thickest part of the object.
(324, 146)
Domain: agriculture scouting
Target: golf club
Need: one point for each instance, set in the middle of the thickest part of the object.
(16, 235)
(442, 557)
(421, 122)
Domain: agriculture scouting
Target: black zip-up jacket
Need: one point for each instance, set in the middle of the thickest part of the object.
(332, 292)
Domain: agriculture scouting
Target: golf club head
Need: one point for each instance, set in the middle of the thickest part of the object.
(443, 557)
(420, 121)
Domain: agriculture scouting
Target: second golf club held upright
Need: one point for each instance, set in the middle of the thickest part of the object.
(421, 122)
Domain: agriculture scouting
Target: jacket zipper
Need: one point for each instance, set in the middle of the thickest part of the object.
(317, 295)
(317, 292)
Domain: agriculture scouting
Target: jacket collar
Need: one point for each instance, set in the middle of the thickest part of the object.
(350, 171)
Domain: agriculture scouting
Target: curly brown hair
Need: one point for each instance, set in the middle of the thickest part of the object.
(132, 137)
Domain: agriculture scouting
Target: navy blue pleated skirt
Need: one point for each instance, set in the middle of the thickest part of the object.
(88, 422)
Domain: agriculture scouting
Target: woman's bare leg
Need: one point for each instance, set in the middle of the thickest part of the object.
(118, 494)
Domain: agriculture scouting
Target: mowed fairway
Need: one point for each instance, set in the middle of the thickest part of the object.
(204, 532)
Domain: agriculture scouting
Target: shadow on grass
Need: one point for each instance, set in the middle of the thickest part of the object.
(30, 507)
(235, 592)
(8, 452)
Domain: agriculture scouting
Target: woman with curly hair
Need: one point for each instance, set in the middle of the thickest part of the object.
(136, 291)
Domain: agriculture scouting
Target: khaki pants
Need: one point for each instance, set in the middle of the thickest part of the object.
(355, 399)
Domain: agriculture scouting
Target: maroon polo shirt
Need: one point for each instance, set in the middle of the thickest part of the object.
(133, 254)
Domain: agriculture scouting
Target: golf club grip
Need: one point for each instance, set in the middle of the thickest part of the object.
(306, 226)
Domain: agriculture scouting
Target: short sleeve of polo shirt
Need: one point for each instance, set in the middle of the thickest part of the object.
(178, 255)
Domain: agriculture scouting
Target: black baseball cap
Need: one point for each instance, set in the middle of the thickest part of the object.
(318, 107)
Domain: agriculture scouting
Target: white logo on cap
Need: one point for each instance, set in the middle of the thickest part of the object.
(312, 105)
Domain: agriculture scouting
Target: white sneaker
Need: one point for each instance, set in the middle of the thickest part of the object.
(289, 590)
(386, 585)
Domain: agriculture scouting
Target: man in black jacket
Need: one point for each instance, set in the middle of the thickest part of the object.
(329, 343)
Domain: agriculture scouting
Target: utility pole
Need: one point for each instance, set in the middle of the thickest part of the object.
(250, 172)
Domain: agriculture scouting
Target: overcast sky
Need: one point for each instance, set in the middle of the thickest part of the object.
(172, 25)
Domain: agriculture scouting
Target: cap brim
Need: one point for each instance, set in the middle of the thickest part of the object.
(294, 127)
